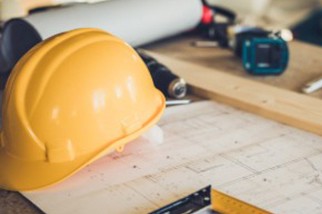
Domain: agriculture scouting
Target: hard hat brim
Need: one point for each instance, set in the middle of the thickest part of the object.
(21, 175)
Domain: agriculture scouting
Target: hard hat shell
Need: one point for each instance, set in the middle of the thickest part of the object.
(70, 100)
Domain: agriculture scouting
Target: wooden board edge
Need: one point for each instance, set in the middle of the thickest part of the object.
(288, 107)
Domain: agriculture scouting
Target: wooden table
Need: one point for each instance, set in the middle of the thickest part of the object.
(305, 65)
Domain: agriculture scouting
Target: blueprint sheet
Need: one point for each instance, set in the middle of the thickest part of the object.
(268, 164)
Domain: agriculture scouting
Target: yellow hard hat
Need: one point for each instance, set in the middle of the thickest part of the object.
(70, 100)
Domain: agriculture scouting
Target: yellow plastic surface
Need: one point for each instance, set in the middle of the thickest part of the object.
(226, 204)
(70, 100)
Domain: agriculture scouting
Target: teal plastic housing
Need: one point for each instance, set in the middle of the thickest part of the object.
(250, 54)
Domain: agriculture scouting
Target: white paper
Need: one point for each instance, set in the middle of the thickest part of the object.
(273, 166)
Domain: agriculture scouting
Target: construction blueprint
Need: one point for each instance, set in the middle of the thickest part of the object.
(260, 161)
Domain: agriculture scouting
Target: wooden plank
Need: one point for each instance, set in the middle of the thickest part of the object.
(305, 61)
(285, 106)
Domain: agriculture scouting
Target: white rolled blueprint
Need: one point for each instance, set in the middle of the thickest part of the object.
(135, 21)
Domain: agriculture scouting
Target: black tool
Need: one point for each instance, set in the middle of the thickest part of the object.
(189, 204)
(262, 52)
(218, 30)
(168, 83)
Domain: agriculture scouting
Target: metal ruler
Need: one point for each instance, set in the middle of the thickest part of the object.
(223, 203)
(208, 200)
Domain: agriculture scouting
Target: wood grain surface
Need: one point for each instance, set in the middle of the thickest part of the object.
(285, 106)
